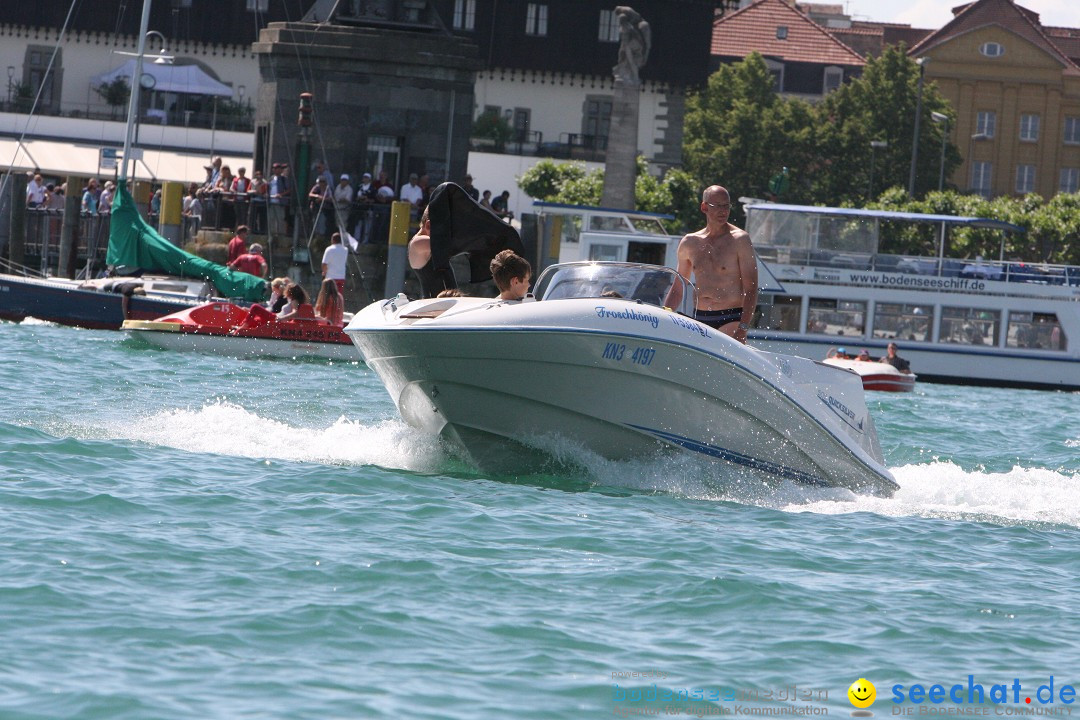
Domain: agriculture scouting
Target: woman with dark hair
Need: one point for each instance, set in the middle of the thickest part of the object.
(297, 298)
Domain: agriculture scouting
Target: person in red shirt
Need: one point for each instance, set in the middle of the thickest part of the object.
(238, 245)
(251, 262)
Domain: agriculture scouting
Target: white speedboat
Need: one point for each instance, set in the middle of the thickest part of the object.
(598, 362)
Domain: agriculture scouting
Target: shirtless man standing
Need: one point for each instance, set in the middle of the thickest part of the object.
(724, 268)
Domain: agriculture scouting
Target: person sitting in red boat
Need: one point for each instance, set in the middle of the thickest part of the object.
(330, 306)
(251, 262)
(298, 305)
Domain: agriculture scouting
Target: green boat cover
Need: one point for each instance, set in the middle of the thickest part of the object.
(132, 242)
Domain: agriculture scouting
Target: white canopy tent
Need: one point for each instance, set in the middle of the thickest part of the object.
(186, 79)
(60, 159)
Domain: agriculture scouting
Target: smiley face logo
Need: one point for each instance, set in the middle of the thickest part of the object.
(862, 693)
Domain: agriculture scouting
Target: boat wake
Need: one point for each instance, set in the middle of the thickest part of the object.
(944, 490)
(213, 429)
(1020, 496)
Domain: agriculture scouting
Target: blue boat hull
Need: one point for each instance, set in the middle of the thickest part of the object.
(68, 305)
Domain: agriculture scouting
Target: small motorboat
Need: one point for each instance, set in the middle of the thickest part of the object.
(226, 329)
(876, 375)
(599, 362)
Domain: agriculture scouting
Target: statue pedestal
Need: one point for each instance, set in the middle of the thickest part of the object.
(622, 150)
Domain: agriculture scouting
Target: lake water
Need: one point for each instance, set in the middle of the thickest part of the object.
(188, 536)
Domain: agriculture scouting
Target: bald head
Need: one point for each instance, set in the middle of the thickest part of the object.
(715, 193)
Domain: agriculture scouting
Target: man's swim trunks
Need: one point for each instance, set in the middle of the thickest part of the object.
(718, 318)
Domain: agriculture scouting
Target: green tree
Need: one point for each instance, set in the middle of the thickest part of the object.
(115, 93)
(739, 133)
(493, 126)
(880, 105)
(676, 193)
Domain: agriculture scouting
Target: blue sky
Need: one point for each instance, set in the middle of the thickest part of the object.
(935, 13)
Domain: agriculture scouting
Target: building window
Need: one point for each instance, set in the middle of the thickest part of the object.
(258, 5)
(1029, 127)
(1070, 180)
(834, 77)
(1072, 130)
(536, 17)
(464, 14)
(992, 49)
(520, 123)
(986, 122)
(776, 69)
(41, 78)
(596, 122)
(781, 32)
(969, 326)
(609, 26)
(1035, 330)
(1025, 178)
(980, 177)
(903, 322)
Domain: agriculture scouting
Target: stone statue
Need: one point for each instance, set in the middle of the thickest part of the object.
(635, 41)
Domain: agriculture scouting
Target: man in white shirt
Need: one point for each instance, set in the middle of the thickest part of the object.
(333, 262)
(35, 192)
(412, 193)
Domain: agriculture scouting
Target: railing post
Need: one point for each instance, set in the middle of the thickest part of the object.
(397, 262)
(17, 248)
(69, 229)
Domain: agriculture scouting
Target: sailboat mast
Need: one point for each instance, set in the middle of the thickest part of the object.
(134, 85)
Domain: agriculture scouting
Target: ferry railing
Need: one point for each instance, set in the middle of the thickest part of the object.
(1014, 271)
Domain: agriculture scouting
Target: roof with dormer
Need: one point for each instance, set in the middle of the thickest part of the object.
(756, 28)
(1005, 14)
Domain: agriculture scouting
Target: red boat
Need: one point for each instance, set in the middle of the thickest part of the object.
(876, 375)
(227, 329)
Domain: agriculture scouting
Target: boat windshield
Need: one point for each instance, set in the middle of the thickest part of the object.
(651, 284)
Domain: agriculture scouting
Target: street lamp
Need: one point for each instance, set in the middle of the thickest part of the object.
(921, 62)
(875, 145)
(941, 118)
(977, 137)
(137, 81)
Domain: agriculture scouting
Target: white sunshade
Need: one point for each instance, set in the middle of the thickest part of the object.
(188, 79)
(81, 158)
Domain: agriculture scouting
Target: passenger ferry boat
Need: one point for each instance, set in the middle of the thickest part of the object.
(847, 281)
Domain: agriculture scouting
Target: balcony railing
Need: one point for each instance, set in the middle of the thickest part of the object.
(570, 146)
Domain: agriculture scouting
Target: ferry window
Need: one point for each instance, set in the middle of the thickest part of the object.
(1035, 330)
(605, 253)
(609, 223)
(782, 314)
(903, 322)
(836, 317)
(969, 326)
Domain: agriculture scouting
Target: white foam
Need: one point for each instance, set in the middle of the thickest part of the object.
(945, 490)
(228, 429)
(32, 321)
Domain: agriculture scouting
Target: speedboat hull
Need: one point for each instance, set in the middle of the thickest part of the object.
(628, 384)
